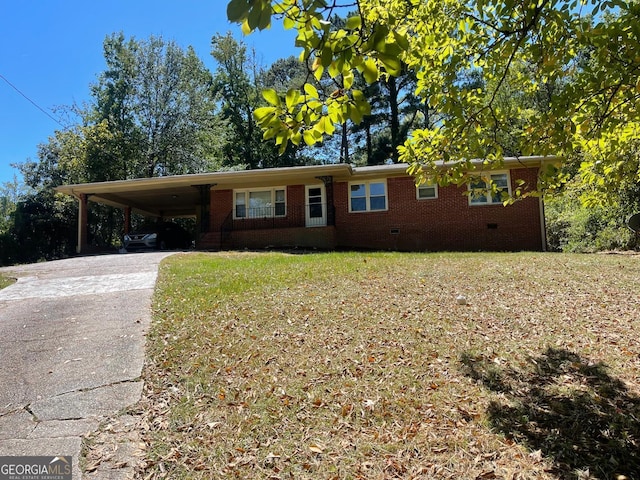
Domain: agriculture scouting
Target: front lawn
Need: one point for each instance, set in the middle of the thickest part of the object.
(389, 365)
(6, 281)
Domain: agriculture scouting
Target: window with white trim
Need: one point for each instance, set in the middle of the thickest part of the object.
(368, 196)
(487, 190)
(259, 203)
(427, 191)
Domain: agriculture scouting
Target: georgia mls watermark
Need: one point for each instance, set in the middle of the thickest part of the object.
(35, 468)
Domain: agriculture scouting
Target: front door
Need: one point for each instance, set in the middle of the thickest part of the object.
(316, 206)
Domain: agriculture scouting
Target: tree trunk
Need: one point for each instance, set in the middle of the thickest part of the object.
(369, 143)
(344, 148)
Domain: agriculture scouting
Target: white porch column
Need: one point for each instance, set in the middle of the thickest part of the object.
(82, 223)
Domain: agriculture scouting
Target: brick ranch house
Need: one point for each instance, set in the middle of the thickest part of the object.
(331, 206)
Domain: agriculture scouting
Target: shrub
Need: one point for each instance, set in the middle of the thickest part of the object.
(574, 227)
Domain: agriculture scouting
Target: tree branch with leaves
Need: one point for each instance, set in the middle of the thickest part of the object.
(588, 52)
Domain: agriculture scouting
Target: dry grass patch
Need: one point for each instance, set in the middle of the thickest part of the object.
(364, 366)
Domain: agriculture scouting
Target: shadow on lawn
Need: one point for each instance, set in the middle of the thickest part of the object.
(568, 408)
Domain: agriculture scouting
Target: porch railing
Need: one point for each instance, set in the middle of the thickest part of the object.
(291, 216)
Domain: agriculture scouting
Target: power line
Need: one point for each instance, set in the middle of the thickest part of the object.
(32, 102)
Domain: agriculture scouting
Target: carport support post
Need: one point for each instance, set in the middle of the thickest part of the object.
(205, 206)
(127, 220)
(82, 222)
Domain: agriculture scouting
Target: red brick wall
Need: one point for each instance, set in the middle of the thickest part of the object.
(222, 208)
(313, 237)
(445, 223)
(295, 195)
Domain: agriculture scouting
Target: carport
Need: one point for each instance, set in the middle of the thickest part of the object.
(177, 196)
(185, 195)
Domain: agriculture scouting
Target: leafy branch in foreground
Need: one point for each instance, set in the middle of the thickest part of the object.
(583, 56)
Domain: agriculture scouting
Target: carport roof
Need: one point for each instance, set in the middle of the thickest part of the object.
(178, 195)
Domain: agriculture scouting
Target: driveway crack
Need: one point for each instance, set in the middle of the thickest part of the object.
(34, 417)
(91, 389)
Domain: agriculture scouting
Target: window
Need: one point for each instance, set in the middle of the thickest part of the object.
(427, 191)
(482, 192)
(260, 203)
(368, 196)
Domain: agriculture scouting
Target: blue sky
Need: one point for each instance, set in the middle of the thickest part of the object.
(52, 51)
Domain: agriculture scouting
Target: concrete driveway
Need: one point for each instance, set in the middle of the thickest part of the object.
(72, 336)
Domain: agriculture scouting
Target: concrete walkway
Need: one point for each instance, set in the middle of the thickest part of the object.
(72, 336)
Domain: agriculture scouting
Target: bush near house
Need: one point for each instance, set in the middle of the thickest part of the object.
(574, 227)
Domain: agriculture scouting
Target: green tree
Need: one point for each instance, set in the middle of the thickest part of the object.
(576, 226)
(395, 112)
(286, 74)
(115, 140)
(44, 227)
(43, 224)
(152, 107)
(62, 160)
(9, 195)
(151, 113)
(438, 40)
(237, 84)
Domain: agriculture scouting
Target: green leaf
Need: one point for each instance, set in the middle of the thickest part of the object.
(317, 73)
(380, 38)
(361, 103)
(347, 80)
(335, 115)
(315, 105)
(246, 29)
(270, 133)
(283, 147)
(325, 125)
(265, 17)
(334, 71)
(392, 64)
(370, 70)
(353, 22)
(308, 137)
(281, 137)
(401, 40)
(326, 57)
(237, 10)
(292, 98)
(271, 96)
(262, 114)
(253, 19)
(358, 96)
(311, 90)
(288, 23)
(354, 114)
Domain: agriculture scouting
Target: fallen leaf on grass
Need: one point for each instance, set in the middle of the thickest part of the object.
(245, 460)
(316, 448)
(487, 474)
